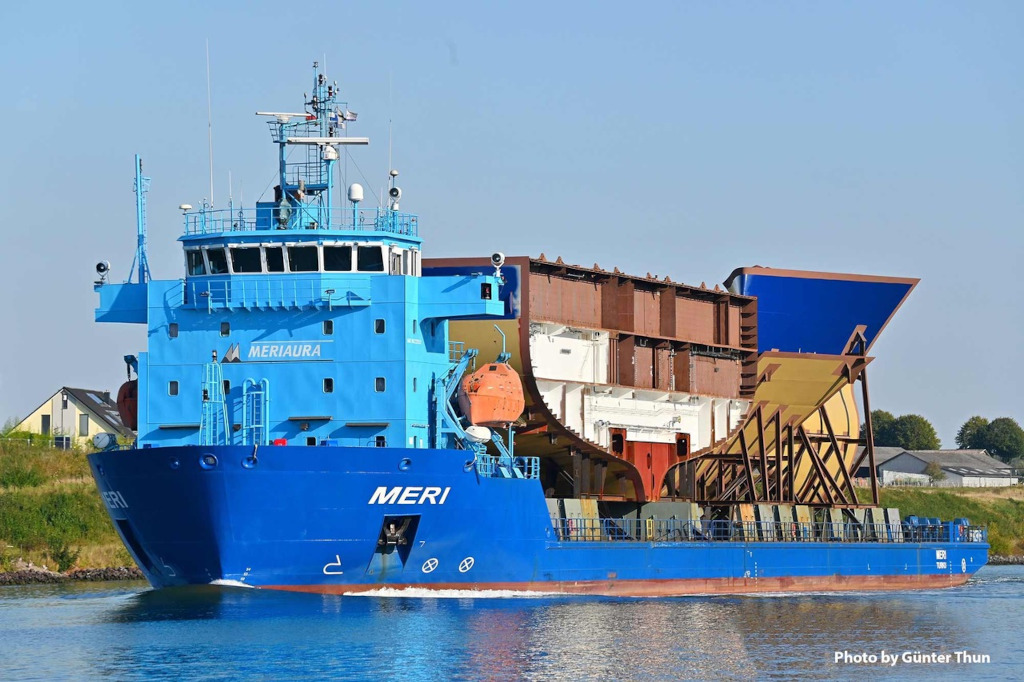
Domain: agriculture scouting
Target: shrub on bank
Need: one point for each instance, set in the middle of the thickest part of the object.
(71, 515)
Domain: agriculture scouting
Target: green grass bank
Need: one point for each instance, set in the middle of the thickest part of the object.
(50, 512)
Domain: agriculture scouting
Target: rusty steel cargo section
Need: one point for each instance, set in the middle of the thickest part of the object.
(664, 345)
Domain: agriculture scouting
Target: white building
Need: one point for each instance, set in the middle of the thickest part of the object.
(962, 468)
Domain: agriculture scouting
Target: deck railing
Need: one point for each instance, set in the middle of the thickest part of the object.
(275, 292)
(674, 530)
(489, 466)
(300, 217)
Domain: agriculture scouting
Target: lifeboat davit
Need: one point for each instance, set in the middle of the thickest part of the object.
(492, 396)
(128, 404)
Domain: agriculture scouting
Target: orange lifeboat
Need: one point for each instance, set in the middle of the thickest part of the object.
(128, 404)
(492, 396)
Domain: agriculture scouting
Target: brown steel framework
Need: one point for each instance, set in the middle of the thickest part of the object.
(764, 469)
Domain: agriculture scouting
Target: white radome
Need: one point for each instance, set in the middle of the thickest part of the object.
(355, 193)
(478, 434)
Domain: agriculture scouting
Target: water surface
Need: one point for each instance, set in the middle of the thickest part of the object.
(128, 631)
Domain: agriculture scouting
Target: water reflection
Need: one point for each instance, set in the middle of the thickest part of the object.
(131, 633)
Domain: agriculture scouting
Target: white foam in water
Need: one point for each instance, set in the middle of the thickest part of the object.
(231, 583)
(423, 593)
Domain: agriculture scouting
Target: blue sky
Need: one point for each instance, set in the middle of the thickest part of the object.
(683, 139)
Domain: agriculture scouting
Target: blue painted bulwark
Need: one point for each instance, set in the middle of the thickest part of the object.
(298, 428)
(817, 312)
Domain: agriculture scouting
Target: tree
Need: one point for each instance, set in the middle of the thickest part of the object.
(879, 419)
(1003, 438)
(967, 436)
(908, 431)
(9, 426)
(935, 471)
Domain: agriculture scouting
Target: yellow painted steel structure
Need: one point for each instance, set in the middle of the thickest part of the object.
(808, 398)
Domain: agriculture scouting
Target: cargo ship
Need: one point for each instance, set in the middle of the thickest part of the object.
(320, 408)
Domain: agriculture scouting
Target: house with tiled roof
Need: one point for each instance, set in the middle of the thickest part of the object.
(75, 415)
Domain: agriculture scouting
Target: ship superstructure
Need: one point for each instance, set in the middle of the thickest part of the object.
(320, 409)
(298, 322)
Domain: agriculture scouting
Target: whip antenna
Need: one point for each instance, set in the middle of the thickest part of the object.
(209, 116)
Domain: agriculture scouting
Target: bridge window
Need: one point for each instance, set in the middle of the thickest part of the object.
(337, 258)
(303, 259)
(172, 330)
(328, 385)
(310, 440)
(379, 384)
(246, 260)
(275, 258)
(172, 388)
(225, 328)
(370, 259)
(380, 442)
(218, 261)
(378, 325)
(328, 327)
(196, 265)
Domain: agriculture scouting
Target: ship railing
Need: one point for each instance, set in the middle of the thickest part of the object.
(456, 349)
(680, 530)
(489, 466)
(270, 292)
(300, 217)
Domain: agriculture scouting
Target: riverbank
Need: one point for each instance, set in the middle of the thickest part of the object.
(36, 575)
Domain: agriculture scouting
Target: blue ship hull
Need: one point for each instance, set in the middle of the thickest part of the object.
(311, 519)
